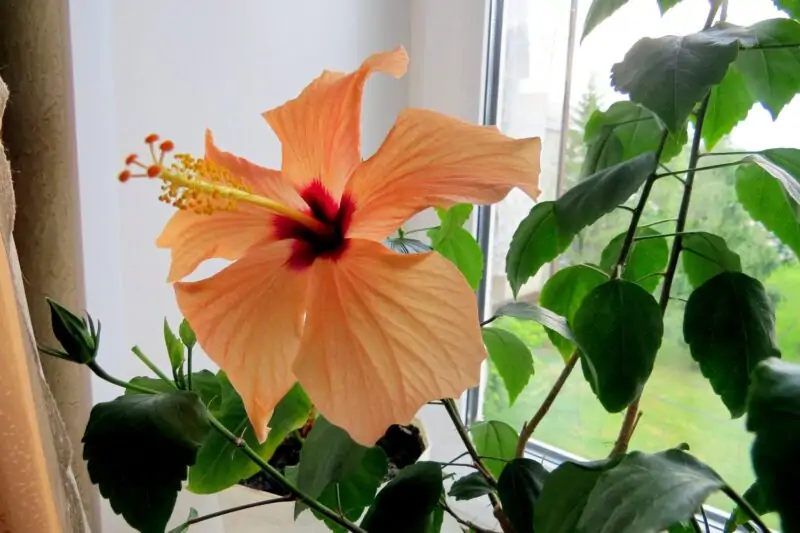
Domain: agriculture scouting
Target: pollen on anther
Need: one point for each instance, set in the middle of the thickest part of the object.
(153, 171)
(150, 139)
(131, 159)
(124, 176)
(167, 146)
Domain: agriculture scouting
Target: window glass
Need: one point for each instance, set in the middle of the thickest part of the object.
(678, 404)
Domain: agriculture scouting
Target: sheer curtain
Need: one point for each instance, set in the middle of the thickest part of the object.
(40, 477)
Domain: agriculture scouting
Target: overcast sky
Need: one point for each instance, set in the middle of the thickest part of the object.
(608, 43)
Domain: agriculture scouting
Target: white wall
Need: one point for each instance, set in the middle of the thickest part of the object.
(176, 67)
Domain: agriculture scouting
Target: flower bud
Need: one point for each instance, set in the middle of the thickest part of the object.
(78, 336)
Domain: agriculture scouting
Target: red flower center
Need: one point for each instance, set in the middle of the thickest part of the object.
(310, 244)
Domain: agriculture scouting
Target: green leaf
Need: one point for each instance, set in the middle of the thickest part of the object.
(729, 104)
(598, 12)
(603, 148)
(666, 5)
(353, 493)
(496, 439)
(404, 245)
(729, 325)
(469, 487)
(619, 329)
(406, 503)
(783, 164)
(205, 383)
(600, 193)
(537, 240)
(519, 487)
(452, 219)
(670, 75)
(291, 413)
(328, 456)
(540, 315)
(682, 527)
(622, 132)
(706, 255)
(768, 202)
(564, 496)
(174, 347)
(186, 334)
(755, 497)
(460, 247)
(137, 450)
(183, 528)
(773, 414)
(435, 520)
(512, 359)
(563, 293)
(219, 464)
(791, 7)
(645, 259)
(648, 492)
(772, 74)
(77, 335)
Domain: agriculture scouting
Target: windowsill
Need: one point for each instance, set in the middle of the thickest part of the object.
(551, 458)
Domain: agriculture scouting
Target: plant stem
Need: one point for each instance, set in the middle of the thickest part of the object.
(463, 465)
(230, 510)
(530, 426)
(189, 350)
(637, 212)
(455, 417)
(466, 523)
(648, 276)
(700, 169)
(629, 422)
(149, 364)
(453, 460)
(769, 46)
(269, 469)
(673, 234)
(656, 223)
(746, 507)
(695, 525)
(720, 154)
(489, 320)
(249, 452)
(683, 211)
(705, 519)
(420, 230)
(102, 374)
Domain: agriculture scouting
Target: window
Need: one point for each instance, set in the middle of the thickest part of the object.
(542, 68)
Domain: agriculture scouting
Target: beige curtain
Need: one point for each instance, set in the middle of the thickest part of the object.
(44, 404)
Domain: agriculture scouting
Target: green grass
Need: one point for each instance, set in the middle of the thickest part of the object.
(678, 406)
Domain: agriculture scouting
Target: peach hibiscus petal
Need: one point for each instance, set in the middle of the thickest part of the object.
(320, 130)
(429, 159)
(384, 334)
(248, 319)
(263, 181)
(194, 238)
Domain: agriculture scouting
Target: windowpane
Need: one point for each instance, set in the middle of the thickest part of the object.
(678, 403)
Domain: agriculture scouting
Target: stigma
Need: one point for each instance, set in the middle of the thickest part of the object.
(202, 186)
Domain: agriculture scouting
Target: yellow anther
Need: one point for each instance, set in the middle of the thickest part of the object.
(204, 187)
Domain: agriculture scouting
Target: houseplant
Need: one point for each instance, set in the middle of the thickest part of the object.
(689, 89)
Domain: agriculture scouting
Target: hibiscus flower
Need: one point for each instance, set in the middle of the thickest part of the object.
(312, 294)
